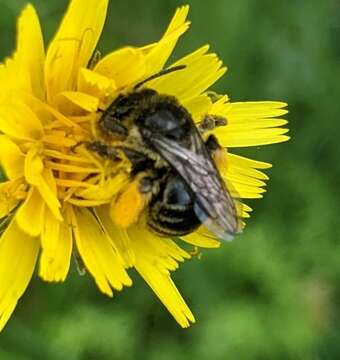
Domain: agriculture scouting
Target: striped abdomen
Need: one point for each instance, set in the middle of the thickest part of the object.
(171, 212)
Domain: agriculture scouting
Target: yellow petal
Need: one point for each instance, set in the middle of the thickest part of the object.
(97, 252)
(11, 158)
(119, 237)
(49, 112)
(50, 234)
(246, 162)
(249, 137)
(202, 70)
(106, 190)
(239, 183)
(234, 176)
(250, 123)
(198, 106)
(243, 209)
(73, 45)
(30, 215)
(238, 111)
(246, 167)
(243, 187)
(10, 194)
(30, 50)
(18, 254)
(70, 168)
(95, 84)
(124, 66)
(43, 179)
(158, 54)
(33, 167)
(56, 243)
(155, 256)
(234, 126)
(57, 154)
(201, 240)
(163, 252)
(18, 121)
(48, 191)
(163, 286)
(70, 102)
(238, 190)
(219, 105)
(59, 141)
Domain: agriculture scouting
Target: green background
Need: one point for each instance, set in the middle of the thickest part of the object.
(274, 292)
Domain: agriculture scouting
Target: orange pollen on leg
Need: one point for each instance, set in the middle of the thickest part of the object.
(127, 208)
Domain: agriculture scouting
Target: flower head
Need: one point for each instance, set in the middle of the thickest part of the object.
(60, 197)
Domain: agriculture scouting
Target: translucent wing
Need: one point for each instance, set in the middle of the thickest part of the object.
(214, 205)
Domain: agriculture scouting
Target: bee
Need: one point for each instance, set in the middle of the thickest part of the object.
(172, 166)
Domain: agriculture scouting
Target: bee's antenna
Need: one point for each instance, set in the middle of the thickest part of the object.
(159, 74)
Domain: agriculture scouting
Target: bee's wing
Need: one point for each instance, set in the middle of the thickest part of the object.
(214, 207)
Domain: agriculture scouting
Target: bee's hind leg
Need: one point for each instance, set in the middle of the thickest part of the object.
(133, 200)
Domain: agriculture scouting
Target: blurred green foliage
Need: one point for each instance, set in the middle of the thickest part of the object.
(273, 293)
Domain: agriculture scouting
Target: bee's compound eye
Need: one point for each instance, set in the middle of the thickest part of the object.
(168, 123)
(162, 120)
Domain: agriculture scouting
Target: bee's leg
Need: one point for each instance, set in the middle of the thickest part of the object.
(146, 185)
(80, 143)
(108, 152)
(112, 126)
(210, 122)
(212, 144)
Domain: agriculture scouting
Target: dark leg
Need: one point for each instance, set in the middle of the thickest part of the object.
(210, 122)
(212, 144)
(103, 150)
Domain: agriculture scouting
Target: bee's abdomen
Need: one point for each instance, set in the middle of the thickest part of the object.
(172, 222)
(171, 213)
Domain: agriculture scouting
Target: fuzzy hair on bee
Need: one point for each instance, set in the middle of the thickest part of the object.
(175, 183)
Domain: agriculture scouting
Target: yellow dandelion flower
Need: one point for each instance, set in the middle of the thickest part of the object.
(61, 196)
